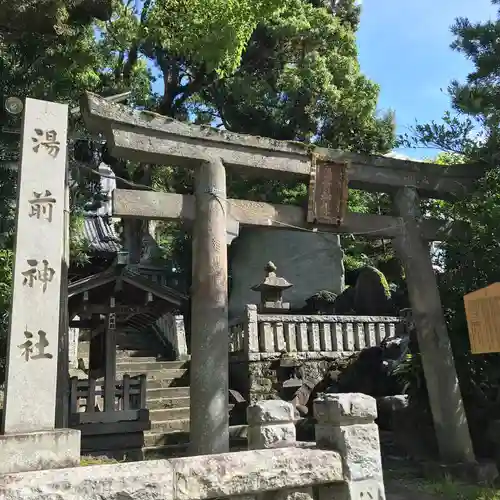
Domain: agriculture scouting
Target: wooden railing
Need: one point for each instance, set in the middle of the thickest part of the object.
(271, 333)
(86, 394)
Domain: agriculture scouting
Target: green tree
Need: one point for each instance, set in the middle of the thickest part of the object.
(50, 52)
(191, 43)
(49, 17)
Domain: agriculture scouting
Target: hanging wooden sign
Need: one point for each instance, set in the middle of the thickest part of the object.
(328, 193)
(482, 309)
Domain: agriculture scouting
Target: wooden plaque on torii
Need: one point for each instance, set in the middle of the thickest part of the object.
(328, 192)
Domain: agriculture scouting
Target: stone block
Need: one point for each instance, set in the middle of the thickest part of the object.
(244, 475)
(271, 436)
(270, 411)
(152, 480)
(271, 424)
(33, 451)
(288, 494)
(346, 424)
(253, 472)
(359, 446)
(372, 489)
(345, 409)
(320, 268)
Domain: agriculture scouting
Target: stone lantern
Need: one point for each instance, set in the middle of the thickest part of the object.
(271, 291)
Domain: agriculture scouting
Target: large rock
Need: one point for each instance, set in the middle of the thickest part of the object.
(372, 296)
(388, 408)
(311, 262)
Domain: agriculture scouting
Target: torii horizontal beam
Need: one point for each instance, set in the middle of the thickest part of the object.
(171, 206)
(149, 137)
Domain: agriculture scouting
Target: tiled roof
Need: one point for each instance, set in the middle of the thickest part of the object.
(100, 234)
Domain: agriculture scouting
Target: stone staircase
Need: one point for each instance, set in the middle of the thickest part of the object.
(167, 391)
(167, 400)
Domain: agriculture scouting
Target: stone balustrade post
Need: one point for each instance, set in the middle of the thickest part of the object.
(407, 324)
(346, 423)
(251, 329)
(180, 337)
(271, 424)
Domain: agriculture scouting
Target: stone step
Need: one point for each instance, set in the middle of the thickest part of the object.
(167, 451)
(137, 351)
(126, 358)
(180, 450)
(153, 393)
(149, 366)
(160, 439)
(160, 383)
(169, 426)
(153, 374)
(155, 438)
(165, 403)
(166, 414)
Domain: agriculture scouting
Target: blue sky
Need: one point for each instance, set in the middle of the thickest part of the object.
(404, 47)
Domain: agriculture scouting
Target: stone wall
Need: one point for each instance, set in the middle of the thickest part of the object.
(345, 464)
(310, 261)
(258, 379)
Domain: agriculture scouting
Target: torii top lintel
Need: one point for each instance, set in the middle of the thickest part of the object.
(149, 137)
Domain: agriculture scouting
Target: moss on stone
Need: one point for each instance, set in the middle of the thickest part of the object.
(383, 282)
(89, 460)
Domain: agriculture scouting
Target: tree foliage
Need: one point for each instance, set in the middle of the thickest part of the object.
(49, 17)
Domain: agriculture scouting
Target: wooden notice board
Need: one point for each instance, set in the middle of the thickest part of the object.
(328, 192)
(482, 309)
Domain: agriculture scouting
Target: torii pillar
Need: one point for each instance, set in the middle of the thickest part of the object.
(450, 421)
(209, 388)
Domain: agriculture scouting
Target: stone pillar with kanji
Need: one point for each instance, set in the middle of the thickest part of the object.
(30, 440)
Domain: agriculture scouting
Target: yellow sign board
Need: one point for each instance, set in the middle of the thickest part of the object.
(482, 309)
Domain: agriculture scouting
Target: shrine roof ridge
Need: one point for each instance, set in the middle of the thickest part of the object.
(146, 136)
(129, 276)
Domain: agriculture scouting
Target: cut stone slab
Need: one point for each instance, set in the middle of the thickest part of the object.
(345, 408)
(138, 480)
(165, 414)
(252, 472)
(167, 403)
(270, 412)
(311, 261)
(55, 449)
(167, 392)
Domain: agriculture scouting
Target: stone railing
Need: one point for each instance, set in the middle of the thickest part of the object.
(272, 333)
(172, 328)
(345, 463)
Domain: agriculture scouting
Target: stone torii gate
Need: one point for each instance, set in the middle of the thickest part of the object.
(147, 137)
